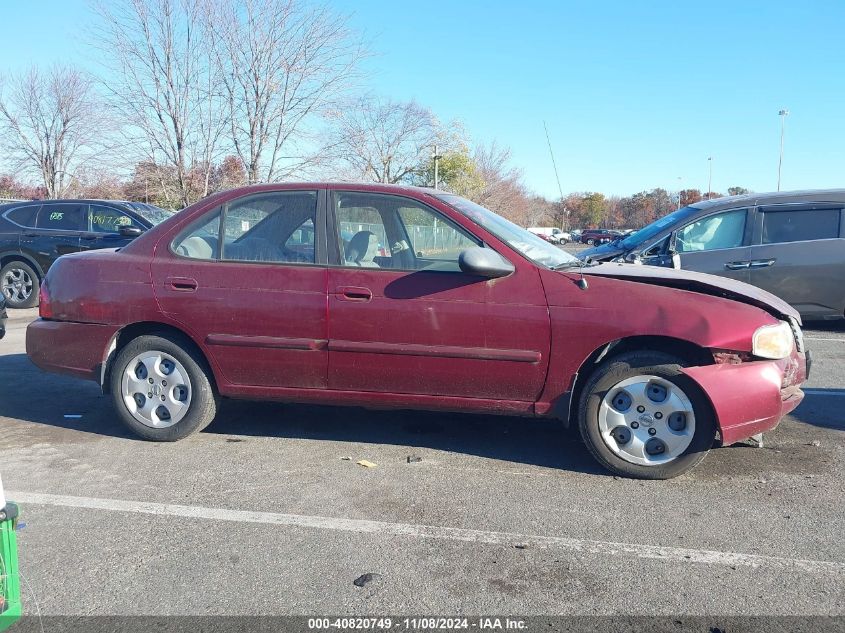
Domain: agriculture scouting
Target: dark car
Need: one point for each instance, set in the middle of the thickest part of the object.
(34, 234)
(2, 315)
(465, 311)
(598, 236)
(790, 243)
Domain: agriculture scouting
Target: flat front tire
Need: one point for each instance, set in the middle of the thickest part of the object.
(162, 388)
(640, 416)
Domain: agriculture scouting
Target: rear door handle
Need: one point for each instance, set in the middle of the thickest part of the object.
(737, 265)
(761, 263)
(355, 293)
(182, 284)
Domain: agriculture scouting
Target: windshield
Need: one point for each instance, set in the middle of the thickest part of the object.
(655, 228)
(521, 240)
(153, 214)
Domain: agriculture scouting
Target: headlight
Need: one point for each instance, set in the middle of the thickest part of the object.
(773, 341)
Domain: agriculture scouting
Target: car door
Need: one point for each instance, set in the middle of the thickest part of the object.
(18, 220)
(103, 225)
(798, 254)
(717, 243)
(248, 280)
(405, 319)
(57, 231)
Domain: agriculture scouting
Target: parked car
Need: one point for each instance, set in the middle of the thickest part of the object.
(649, 363)
(598, 236)
(790, 243)
(35, 233)
(551, 234)
(2, 315)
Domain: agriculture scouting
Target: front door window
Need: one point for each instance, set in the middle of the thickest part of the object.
(722, 230)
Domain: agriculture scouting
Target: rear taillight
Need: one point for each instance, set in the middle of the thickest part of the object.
(45, 310)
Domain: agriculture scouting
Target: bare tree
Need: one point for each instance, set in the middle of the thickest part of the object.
(50, 124)
(162, 83)
(504, 191)
(384, 140)
(282, 63)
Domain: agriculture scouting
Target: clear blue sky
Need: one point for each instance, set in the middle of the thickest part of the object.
(635, 94)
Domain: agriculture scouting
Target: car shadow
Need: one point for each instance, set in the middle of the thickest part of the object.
(27, 393)
(835, 325)
(822, 408)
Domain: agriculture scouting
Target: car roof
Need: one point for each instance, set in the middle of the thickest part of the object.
(775, 197)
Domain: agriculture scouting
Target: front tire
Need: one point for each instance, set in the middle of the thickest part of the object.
(162, 388)
(20, 284)
(641, 417)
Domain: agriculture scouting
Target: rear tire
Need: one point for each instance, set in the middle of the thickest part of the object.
(20, 284)
(590, 242)
(161, 388)
(641, 417)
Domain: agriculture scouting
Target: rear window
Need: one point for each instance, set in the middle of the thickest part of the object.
(800, 225)
(25, 216)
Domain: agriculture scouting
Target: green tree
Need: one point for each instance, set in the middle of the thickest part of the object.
(737, 191)
(457, 172)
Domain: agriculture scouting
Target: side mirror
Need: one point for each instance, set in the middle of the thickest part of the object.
(672, 248)
(484, 262)
(634, 257)
(127, 230)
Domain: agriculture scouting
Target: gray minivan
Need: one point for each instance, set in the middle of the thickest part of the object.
(789, 243)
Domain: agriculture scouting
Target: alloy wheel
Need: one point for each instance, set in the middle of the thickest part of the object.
(16, 285)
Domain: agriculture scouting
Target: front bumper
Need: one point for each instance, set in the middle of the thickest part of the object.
(752, 397)
(65, 347)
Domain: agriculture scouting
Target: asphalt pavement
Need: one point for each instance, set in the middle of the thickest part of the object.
(268, 512)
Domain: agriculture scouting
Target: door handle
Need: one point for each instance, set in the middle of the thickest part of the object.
(355, 293)
(88, 238)
(761, 263)
(182, 284)
(737, 265)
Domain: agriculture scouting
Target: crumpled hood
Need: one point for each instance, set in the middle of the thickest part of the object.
(604, 252)
(697, 282)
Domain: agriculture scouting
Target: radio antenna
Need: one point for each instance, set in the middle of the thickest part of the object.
(554, 164)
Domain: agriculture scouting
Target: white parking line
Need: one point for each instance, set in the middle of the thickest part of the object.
(813, 338)
(580, 546)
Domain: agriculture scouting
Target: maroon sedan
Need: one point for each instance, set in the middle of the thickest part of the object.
(400, 297)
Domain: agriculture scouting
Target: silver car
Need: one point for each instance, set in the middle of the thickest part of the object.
(789, 243)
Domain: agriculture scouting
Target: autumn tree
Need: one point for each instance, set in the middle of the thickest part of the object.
(50, 124)
(690, 196)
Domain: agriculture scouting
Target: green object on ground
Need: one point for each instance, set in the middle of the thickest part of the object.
(10, 587)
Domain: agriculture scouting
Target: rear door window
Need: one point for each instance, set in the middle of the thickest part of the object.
(24, 216)
(800, 225)
(63, 217)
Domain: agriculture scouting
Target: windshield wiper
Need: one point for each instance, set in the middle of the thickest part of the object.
(578, 263)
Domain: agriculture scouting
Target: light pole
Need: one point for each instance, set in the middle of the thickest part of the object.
(710, 177)
(436, 158)
(680, 190)
(783, 114)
